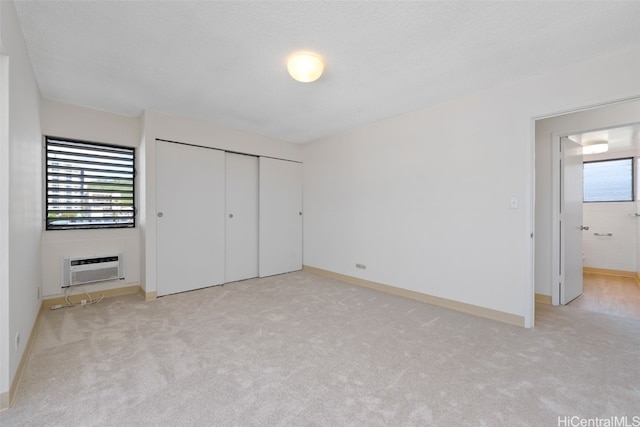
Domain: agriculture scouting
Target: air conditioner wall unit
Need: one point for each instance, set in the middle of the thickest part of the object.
(79, 271)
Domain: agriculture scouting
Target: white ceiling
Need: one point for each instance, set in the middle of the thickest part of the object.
(619, 139)
(225, 62)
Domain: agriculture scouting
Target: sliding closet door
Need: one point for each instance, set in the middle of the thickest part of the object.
(241, 217)
(280, 216)
(190, 217)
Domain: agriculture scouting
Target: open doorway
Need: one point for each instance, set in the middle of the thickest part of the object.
(618, 123)
(610, 216)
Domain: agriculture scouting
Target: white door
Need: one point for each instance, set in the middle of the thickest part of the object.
(280, 216)
(241, 217)
(571, 221)
(190, 217)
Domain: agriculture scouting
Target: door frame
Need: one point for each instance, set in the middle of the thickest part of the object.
(557, 257)
(531, 297)
(558, 236)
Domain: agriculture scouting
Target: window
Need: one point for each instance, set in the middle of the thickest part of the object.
(89, 185)
(608, 180)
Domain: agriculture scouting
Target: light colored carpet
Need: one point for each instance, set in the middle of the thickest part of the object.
(303, 350)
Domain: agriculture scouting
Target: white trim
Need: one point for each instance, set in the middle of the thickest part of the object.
(5, 382)
(488, 313)
(530, 284)
(557, 237)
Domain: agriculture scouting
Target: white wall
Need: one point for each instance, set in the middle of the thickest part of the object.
(178, 129)
(68, 121)
(423, 199)
(21, 199)
(616, 252)
(564, 124)
(619, 251)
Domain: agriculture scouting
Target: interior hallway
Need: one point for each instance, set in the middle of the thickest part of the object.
(614, 295)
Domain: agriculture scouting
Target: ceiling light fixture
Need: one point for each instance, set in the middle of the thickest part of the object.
(595, 147)
(305, 66)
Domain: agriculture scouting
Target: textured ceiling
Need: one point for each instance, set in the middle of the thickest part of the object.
(225, 62)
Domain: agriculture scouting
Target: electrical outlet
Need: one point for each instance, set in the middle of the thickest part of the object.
(361, 266)
(17, 340)
(83, 302)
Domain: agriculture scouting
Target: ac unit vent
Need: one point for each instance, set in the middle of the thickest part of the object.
(79, 271)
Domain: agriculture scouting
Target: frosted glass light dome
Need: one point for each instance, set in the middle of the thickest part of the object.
(305, 67)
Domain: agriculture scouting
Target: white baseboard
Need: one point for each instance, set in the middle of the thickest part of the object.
(475, 310)
(6, 398)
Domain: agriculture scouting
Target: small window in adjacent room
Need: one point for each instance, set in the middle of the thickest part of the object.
(608, 180)
(89, 185)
